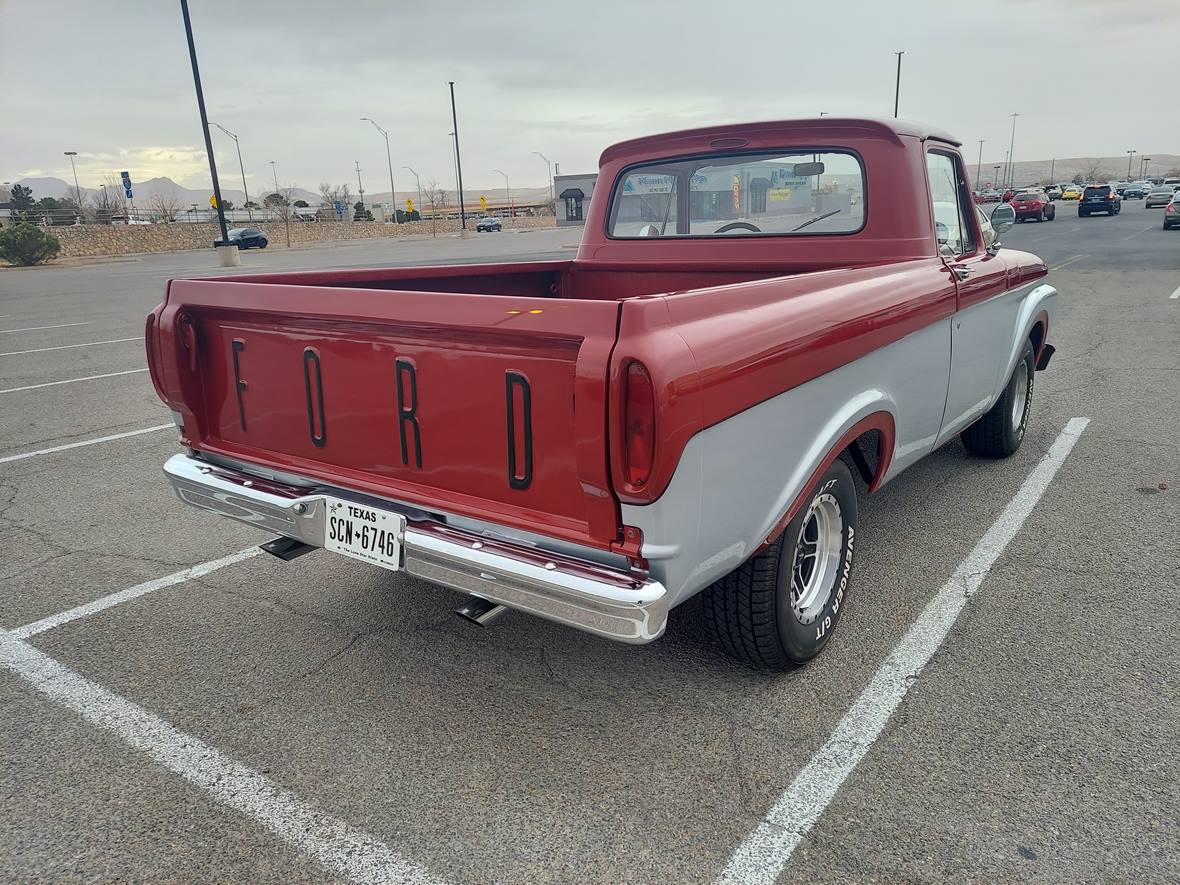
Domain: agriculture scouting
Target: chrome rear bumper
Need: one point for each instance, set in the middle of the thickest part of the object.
(608, 602)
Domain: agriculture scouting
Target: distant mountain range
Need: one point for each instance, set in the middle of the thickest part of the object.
(145, 190)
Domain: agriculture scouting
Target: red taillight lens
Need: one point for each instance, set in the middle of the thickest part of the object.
(1171, 207)
(639, 424)
(1110, 196)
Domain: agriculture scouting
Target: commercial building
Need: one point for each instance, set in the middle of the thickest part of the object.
(573, 198)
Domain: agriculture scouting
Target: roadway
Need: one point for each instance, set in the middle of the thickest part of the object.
(321, 720)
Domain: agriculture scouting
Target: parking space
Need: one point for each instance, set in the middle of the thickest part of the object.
(324, 720)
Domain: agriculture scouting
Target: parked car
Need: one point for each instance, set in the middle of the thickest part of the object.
(247, 238)
(1053, 192)
(1158, 196)
(1072, 192)
(1173, 183)
(1030, 204)
(1100, 198)
(990, 196)
(1172, 212)
(687, 402)
(1134, 191)
(1009, 193)
(488, 224)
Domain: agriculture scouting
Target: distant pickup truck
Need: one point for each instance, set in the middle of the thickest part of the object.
(690, 406)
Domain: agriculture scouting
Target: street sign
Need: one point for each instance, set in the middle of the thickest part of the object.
(409, 205)
(213, 201)
(126, 176)
(483, 203)
(339, 206)
(127, 191)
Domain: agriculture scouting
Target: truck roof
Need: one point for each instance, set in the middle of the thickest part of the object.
(740, 135)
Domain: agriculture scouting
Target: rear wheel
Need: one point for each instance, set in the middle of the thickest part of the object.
(1000, 431)
(779, 608)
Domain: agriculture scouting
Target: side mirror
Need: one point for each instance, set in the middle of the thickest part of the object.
(1003, 217)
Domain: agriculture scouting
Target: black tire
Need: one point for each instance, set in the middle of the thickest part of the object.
(1082, 214)
(999, 433)
(752, 611)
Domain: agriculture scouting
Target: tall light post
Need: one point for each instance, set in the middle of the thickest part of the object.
(418, 182)
(227, 258)
(458, 162)
(274, 172)
(897, 87)
(549, 172)
(508, 193)
(77, 190)
(454, 160)
(1130, 154)
(1011, 152)
(978, 163)
(1052, 166)
(249, 211)
(995, 175)
(389, 161)
(1143, 166)
(360, 187)
(1004, 183)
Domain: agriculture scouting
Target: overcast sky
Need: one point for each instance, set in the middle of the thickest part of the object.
(111, 80)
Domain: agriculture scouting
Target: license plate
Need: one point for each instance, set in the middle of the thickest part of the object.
(364, 533)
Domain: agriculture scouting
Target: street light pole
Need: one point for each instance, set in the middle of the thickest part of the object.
(978, 163)
(508, 193)
(360, 187)
(995, 175)
(1130, 154)
(897, 87)
(418, 182)
(389, 161)
(192, 54)
(249, 211)
(549, 172)
(458, 161)
(1052, 166)
(1011, 152)
(77, 190)
(274, 172)
(1143, 168)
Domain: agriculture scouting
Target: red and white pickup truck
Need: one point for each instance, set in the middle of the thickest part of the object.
(757, 314)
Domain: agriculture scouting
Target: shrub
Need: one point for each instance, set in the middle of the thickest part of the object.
(27, 244)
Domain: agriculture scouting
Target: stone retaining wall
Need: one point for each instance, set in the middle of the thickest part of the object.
(91, 240)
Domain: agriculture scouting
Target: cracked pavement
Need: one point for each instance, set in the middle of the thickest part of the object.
(1037, 745)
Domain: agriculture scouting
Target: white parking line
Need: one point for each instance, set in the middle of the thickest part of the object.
(1175, 294)
(72, 381)
(766, 851)
(347, 852)
(69, 346)
(38, 328)
(1138, 232)
(113, 599)
(85, 442)
(1067, 262)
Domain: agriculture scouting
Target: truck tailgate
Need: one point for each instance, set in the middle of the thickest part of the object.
(492, 407)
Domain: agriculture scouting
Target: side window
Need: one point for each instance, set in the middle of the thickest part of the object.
(950, 203)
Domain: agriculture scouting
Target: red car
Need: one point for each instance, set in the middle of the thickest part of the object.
(678, 410)
(1033, 204)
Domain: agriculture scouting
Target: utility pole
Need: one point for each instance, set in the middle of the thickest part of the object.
(454, 160)
(897, 88)
(458, 161)
(549, 172)
(978, 163)
(389, 161)
(1130, 154)
(360, 187)
(1012, 153)
(1052, 166)
(417, 181)
(249, 211)
(77, 190)
(192, 54)
(508, 193)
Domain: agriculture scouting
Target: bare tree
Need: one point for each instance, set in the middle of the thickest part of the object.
(109, 202)
(281, 202)
(331, 194)
(1093, 171)
(436, 198)
(165, 203)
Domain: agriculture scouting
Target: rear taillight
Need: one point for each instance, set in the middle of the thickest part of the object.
(639, 424)
(1171, 207)
(1110, 196)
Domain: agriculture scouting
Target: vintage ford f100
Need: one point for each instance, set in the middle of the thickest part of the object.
(760, 318)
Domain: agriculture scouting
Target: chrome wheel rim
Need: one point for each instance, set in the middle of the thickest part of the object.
(1020, 400)
(816, 562)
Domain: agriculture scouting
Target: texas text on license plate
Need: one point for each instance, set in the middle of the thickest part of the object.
(364, 532)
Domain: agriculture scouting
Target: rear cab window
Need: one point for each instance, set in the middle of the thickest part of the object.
(782, 193)
(1098, 190)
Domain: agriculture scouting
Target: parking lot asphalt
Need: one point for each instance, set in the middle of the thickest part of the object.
(321, 720)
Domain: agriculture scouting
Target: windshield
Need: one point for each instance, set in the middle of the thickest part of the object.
(1025, 195)
(782, 193)
(1101, 190)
